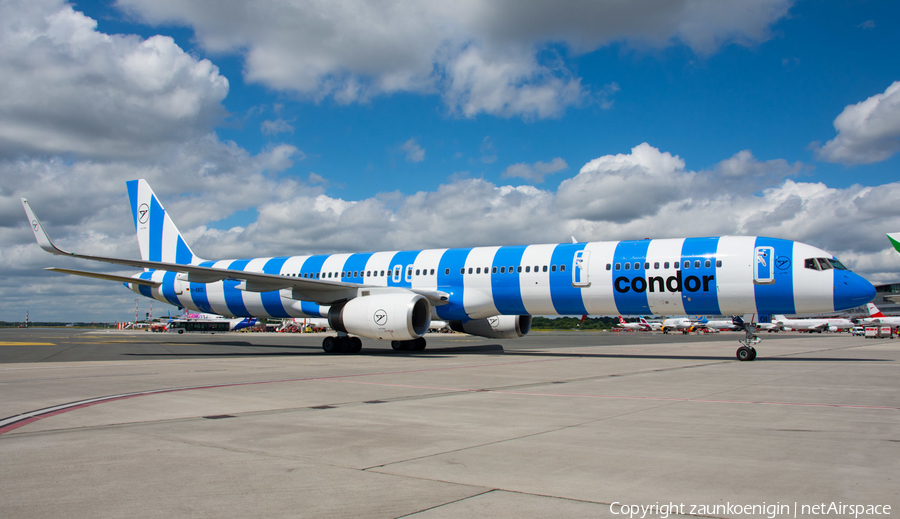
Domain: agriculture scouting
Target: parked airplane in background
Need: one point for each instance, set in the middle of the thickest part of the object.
(631, 326)
(234, 324)
(653, 325)
(681, 324)
(876, 317)
(484, 291)
(814, 325)
(719, 324)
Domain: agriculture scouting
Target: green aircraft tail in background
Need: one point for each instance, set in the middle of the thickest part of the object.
(895, 240)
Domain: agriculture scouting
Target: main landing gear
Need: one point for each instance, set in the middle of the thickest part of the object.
(341, 344)
(413, 345)
(347, 344)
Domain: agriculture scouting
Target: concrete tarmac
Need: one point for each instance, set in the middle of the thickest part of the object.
(122, 424)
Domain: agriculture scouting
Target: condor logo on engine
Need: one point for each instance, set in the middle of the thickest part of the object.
(672, 284)
(380, 317)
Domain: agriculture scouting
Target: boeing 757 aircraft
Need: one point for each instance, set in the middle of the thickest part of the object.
(484, 291)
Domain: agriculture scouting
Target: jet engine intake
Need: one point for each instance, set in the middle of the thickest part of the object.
(399, 316)
(496, 327)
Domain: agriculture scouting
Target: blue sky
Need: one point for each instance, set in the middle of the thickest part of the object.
(316, 126)
(774, 97)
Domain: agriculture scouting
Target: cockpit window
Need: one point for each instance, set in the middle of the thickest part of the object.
(837, 264)
(823, 264)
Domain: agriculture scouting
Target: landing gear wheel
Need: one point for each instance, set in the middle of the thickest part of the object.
(356, 345)
(745, 353)
(752, 353)
(418, 344)
(398, 345)
(329, 344)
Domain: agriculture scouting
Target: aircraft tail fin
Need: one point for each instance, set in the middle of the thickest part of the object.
(158, 238)
(874, 311)
(895, 240)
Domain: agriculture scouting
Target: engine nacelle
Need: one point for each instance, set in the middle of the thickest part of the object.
(496, 327)
(399, 317)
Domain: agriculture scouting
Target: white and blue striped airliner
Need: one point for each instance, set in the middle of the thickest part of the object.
(486, 291)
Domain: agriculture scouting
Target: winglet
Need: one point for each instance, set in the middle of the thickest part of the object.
(40, 234)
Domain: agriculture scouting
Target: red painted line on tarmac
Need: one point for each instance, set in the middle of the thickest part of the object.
(14, 422)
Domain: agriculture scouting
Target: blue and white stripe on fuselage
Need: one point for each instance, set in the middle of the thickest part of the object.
(717, 275)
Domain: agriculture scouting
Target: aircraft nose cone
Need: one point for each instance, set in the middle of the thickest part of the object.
(851, 290)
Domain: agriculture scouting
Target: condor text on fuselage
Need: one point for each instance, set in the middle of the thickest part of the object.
(672, 284)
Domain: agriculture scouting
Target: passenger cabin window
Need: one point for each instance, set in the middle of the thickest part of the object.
(494, 270)
(637, 265)
(544, 269)
(696, 264)
(687, 264)
(646, 265)
(718, 263)
(528, 269)
(503, 270)
(562, 268)
(707, 264)
(552, 268)
(519, 269)
(628, 266)
(618, 266)
(608, 266)
(470, 270)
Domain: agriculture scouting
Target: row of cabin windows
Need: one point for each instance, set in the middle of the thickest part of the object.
(356, 273)
(676, 264)
(427, 272)
(510, 269)
(528, 269)
(519, 269)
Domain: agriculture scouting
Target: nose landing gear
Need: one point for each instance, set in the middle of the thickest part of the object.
(746, 352)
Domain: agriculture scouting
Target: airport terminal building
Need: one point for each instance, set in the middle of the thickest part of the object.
(887, 298)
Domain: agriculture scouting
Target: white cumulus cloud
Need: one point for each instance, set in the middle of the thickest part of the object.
(66, 88)
(868, 131)
(414, 152)
(535, 172)
(481, 57)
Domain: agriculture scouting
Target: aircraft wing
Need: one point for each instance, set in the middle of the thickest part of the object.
(315, 290)
(107, 277)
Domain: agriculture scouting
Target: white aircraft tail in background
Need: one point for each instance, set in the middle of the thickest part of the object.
(876, 317)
